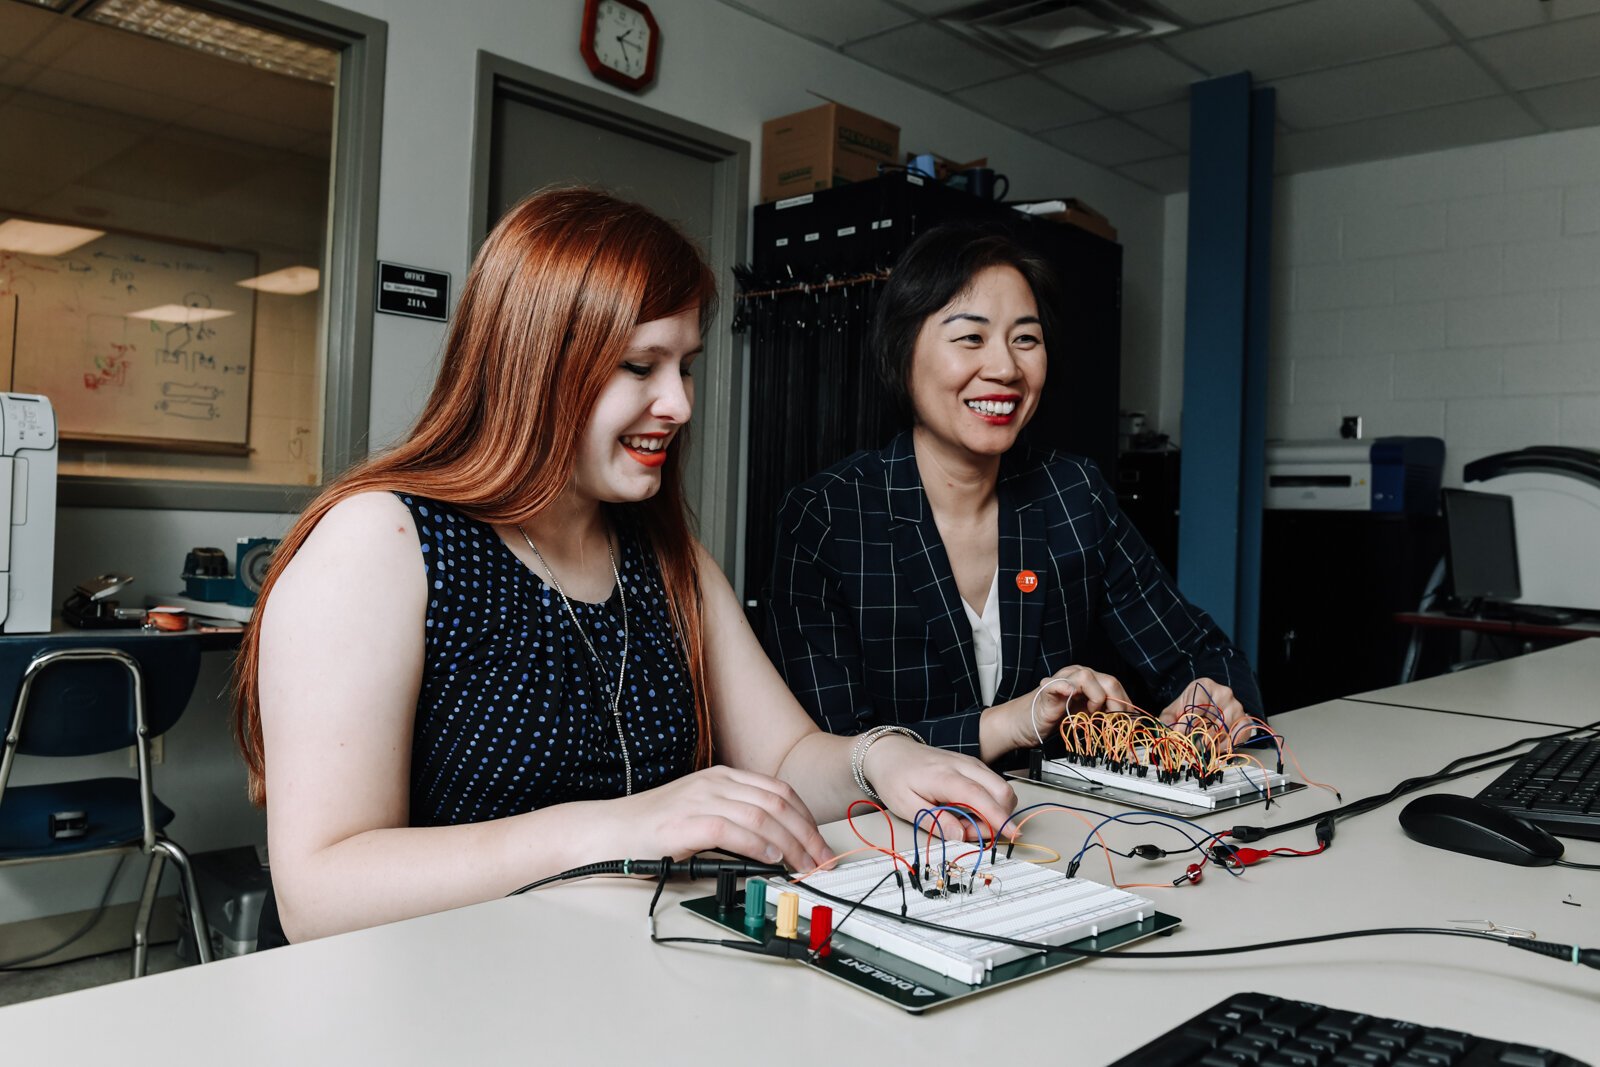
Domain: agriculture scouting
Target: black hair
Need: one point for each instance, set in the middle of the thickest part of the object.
(938, 267)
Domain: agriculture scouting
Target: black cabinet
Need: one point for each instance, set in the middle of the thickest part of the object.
(808, 297)
(1331, 582)
(1147, 491)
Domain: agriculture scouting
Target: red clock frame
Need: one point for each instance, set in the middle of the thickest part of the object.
(605, 73)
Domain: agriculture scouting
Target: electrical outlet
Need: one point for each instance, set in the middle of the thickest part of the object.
(1350, 427)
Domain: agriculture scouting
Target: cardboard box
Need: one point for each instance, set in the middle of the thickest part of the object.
(823, 147)
(1073, 212)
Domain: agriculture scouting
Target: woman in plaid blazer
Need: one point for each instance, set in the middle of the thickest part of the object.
(935, 583)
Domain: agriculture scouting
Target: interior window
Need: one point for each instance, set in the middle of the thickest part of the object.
(164, 210)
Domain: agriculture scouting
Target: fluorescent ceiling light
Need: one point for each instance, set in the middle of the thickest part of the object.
(290, 281)
(177, 313)
(223, 37)
(43, 238)
(1044, 30)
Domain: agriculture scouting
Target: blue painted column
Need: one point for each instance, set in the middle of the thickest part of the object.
(1225, 352)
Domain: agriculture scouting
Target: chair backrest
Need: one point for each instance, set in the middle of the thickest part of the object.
(80, 708)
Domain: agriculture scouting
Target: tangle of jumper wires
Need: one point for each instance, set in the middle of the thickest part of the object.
(939, 867)
(1199, 747)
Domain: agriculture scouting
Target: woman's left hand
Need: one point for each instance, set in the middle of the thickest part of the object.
(909, 776)
(1210, 698)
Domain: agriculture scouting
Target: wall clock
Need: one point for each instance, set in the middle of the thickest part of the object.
(619, 41)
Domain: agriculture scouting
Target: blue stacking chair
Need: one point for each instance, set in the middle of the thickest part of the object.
(79, 695)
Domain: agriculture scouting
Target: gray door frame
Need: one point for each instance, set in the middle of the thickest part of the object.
(349, 281)
(721, 394)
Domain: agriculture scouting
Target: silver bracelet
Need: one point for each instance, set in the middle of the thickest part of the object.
(858, 754)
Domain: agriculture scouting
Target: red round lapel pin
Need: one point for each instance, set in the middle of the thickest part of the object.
(1027, 581)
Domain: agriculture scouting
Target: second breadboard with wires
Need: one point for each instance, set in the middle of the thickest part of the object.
(917, 968)
(1192, 768)
(1139, 784)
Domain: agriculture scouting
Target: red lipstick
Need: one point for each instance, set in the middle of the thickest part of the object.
(999, 398)
(648, 459)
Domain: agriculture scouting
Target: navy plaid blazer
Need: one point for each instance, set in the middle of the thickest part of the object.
(865, 622)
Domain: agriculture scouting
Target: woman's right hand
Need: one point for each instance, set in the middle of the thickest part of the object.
(1027, 720)
(722, 808)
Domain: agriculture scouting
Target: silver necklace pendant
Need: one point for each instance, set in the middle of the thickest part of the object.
(622, 671)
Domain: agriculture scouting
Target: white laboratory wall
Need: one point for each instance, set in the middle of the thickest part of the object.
(719, 68)
(1455, 294)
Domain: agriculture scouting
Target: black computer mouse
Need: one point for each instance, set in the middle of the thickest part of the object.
(1478, 828)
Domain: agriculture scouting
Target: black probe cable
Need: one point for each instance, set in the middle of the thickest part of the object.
(1588, 957)
(666, 867)
(1449, 772)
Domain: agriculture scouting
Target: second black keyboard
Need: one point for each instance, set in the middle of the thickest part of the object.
(1267, 1031)
(1556, 785)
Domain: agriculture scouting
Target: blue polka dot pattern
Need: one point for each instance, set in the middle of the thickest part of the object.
(514, 712)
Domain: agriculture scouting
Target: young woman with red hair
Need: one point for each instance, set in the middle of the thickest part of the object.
(548, 670)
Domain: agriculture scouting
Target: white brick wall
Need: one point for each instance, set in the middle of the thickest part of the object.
(1453, 293)
(1482, 292)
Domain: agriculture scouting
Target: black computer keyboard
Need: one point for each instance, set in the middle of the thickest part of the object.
(1557, 785)
(1265, 1031)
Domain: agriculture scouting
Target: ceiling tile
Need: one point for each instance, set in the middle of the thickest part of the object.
(1309, 36)
(1410, 132)
(1108, 142)
(24, 188)
(1568, 105)
(59, 142)
(1201, 12)
(153, 66)
(174, 169)
(1170, 122)
(317, 146)
(932, 7)
(116, 97)
(245, 129)
(307, 106)
(930, 56)
(1479, 18)
(831, 21)
(1027, 102)
(1382, 87)
(1169, 174)
(1560, 52)
(38, 34)
(1126, 78)
(16, 73)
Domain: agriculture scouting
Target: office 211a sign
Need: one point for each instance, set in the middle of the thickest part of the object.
(414, 291)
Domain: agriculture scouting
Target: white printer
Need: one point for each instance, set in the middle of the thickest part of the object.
(1390, 474)
(28, 493)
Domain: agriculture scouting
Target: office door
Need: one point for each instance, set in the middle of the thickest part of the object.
(537, 130)
(533, 145)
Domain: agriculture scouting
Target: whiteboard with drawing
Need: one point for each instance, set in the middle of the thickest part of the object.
(137, 340)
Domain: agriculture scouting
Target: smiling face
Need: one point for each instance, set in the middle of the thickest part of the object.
(979, 364)
(641, 411)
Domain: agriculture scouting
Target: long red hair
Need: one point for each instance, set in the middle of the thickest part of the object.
(547, 309)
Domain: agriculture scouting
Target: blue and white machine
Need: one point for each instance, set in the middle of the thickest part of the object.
(28, 492)
(1390, 474)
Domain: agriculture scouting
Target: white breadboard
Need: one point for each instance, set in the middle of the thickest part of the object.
(1010, 898)
(1247, 783)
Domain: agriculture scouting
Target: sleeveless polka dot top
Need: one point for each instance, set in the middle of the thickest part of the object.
(514, 712)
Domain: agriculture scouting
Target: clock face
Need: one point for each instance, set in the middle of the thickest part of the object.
(622, 38)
